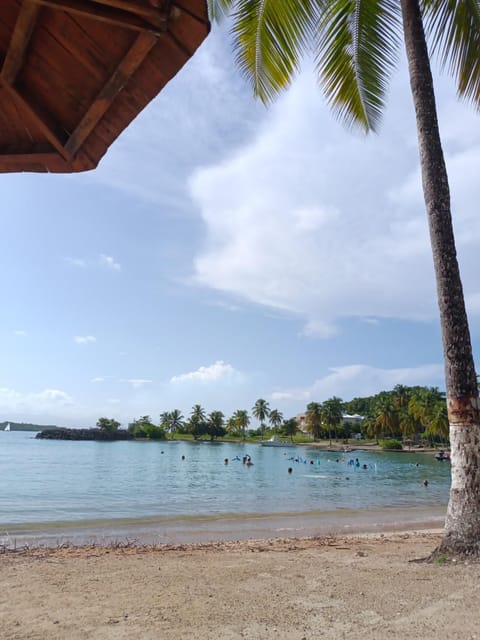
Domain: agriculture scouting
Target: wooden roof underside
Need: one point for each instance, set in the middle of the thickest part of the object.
(75, 73)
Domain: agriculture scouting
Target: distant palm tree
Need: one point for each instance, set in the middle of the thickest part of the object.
(332, 415)
(386, 415)
(242, 420)
(198, 413)
(176, 421)
(313, 419)
(290, 427)
(275, 418)
(197, 423)
(216, 421)
(438, 425)
(165, 421)
(401, 395)
(231, 425)
(409, 424)
(261, 411)
(428, 406)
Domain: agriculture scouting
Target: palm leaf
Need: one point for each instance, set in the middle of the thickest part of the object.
(218, 9)
(454, 28)
(358, 43)
(271, 37)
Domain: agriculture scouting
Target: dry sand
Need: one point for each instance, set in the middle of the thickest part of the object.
(342, 587)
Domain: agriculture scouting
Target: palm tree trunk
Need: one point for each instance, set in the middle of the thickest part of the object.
(462, 527)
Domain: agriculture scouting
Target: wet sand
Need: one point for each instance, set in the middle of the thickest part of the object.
(226, 527)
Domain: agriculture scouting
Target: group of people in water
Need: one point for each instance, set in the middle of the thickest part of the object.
(351, 462)
(246, 460)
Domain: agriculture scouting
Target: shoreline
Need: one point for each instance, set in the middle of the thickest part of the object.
(221, 528)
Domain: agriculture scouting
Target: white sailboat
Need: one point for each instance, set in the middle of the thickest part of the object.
(7, 428)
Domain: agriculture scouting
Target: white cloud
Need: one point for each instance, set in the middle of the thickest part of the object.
(312, 219)
(20, 332)
(360, 380)
(137, 383)
(109, 262)
(77, 262)
(84, 339)
(47, 400)
(217, 371)
(54, 396)
(98, 379)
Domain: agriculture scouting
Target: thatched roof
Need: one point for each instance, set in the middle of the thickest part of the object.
(75, 73)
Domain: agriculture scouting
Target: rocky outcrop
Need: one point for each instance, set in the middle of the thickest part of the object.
(84, 434)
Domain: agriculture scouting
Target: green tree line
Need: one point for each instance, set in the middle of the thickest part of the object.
(410, 413)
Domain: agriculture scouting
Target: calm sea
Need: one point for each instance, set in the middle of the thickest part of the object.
(67, 489)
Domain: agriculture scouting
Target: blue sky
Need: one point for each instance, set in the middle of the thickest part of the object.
(224, 252)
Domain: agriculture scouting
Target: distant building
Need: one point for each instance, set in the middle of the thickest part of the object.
(353, 420)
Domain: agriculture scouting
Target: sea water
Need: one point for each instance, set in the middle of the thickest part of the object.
(50, 484)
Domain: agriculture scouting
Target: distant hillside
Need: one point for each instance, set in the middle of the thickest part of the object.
(25, 426)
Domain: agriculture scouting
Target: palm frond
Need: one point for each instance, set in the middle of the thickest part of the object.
(357, 49)
(454, 29)
(218, 9)
(271, 37)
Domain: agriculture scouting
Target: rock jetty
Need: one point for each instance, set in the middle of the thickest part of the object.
(84, 434)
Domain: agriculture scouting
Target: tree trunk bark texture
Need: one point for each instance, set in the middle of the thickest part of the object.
(462, 527)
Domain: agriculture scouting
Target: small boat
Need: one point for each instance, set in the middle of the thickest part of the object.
(441, 456)
(276, 442)
(7, 428)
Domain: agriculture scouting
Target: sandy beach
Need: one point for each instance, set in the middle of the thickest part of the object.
(298, 589)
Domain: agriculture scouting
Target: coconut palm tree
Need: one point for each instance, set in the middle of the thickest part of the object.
(386, 415)
(290, 427)
(356, 44)
(438, 425)
(198, 421)
(231, 425)
(242, 420)
(216, 425)
(275, 418)
(165, 421)
(409, 424)
(313, 419)
(261, 411)
(428, 406)
(176, 421)
(332, 415)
